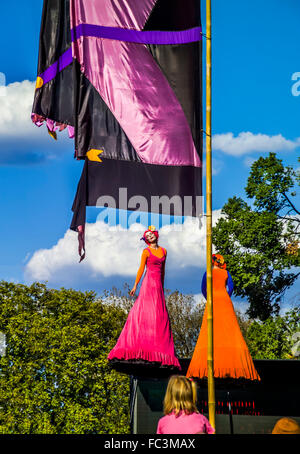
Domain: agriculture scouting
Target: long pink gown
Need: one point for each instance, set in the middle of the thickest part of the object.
(147, 336)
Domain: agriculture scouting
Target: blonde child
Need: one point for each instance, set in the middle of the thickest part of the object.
(181, 414)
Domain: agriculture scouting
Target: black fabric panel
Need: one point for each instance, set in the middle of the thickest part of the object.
(80, 200)
(182, 66)
(141, 179)
(105, 179)
(55, 100)
(55, 33)
(96, 125)
(174, 15)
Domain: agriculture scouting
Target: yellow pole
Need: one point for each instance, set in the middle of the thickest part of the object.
(210, 359)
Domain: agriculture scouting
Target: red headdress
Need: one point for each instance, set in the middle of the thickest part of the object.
(152, 229)
(218, 260)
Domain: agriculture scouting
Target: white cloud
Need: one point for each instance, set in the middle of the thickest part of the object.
(115, 251)
(247, 142)
(217, 166)
(240, 306)
(15, 109)
(18, 133)
(199, 299)
(26, 257)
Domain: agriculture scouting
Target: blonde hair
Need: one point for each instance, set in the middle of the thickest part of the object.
(181, 395)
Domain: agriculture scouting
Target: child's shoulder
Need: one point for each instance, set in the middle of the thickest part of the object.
(167, 417)
(195, 416)
(181, 414)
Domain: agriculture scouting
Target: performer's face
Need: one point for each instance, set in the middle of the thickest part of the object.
(150, 237)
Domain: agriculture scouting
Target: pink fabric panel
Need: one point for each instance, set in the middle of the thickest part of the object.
(111, 13)
(131, 83)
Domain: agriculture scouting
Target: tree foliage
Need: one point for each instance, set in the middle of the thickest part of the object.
(54, 376)
(275, 337)
(186, 318)
(261, 243)
(270, 183)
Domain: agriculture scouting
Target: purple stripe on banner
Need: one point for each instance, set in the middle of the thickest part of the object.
(137, 36)
(64, 60)
(120, 34)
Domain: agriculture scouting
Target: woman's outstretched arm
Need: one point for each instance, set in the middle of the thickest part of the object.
(140, 270)
(163, 270)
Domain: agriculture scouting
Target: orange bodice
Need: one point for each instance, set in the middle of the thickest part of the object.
(157, 252)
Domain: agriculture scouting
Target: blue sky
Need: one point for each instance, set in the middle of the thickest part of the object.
(255, 52)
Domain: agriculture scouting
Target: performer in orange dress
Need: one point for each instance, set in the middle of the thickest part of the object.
(231, 355)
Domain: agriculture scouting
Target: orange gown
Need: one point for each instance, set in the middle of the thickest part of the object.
(231, 354)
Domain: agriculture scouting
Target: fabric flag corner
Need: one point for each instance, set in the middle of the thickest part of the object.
(125, 78)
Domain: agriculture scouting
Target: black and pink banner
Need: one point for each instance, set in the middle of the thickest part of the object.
(125, 77)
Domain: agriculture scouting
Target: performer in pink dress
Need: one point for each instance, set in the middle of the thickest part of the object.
(147, 337)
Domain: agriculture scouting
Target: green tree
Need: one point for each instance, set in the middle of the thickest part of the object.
(271, 186)
(275, 337)
(186, 318)
(260, 243)
(54, 375)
